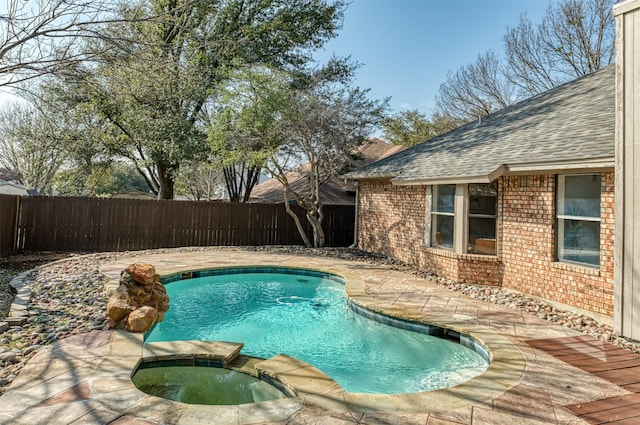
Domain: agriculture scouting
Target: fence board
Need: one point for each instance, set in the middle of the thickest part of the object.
(100, 224)
(9, 208)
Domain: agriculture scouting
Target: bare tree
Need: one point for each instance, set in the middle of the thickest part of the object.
(30, 145)
(10, 175)
(575, 38)
(40, 37)
(476, 89)
(326, 119)
(201, 181)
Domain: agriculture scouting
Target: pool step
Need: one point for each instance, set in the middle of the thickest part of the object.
(224, 352)
(304, 380)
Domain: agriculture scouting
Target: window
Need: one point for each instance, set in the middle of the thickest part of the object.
(483, 205)
(463, 217)
(578, 215)
(442, 215)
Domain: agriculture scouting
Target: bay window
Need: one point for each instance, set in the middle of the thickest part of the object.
(578, 218)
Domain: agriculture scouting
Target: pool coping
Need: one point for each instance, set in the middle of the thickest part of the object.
(314, 388)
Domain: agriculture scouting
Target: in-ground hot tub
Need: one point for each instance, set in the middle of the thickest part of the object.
(203, 382)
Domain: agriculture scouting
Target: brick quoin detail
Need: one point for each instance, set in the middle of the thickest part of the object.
(392, 219)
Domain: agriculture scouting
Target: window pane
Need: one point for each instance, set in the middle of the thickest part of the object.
(482, 235)
(580, 241)
(444, 197)
(581, 196)
(442, 231)
(483, 198)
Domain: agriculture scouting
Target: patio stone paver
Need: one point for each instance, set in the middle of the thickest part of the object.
(85, 379)
(526, 400)
(80, 392)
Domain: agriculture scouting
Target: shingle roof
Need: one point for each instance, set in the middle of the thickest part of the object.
(334, 191)
(572, 123)
(12, 188)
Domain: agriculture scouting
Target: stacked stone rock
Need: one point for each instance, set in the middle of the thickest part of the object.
(140, 300)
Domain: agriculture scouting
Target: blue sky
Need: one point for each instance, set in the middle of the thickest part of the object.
(406, 47)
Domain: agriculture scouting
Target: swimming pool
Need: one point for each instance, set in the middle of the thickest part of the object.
(305, 314)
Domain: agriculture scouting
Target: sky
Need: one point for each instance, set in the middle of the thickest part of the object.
(406, 47)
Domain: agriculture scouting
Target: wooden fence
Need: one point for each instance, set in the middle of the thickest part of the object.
(9, 205)
(102, 224)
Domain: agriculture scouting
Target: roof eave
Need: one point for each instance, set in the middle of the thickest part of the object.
(554, 167)
(482, 178)
(372, 176)
(543, 167)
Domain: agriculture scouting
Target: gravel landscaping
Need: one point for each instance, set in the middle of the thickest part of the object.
(67, 298)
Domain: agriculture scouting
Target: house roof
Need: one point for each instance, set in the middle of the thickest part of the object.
(334, 191)
(11, 188)
(571, 127)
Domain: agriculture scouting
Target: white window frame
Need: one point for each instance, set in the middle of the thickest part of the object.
(460, 220)
(430, 203)
(561, 217)
(488, 216)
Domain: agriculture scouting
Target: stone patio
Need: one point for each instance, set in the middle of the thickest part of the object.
(85, 379)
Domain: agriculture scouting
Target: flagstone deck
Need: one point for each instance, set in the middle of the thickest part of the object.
(86, 379)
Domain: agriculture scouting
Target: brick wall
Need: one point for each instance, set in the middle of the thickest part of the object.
(528, 246)
(392, 221)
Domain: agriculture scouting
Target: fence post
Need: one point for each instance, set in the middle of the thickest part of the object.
(9, 207)
(16, 219)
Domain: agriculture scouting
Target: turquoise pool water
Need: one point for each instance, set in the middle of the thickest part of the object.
(307, 317)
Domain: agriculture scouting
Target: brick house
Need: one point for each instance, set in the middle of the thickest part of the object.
(522, 198)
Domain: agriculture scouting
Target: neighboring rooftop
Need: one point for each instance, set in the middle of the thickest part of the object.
(570, 127)
(334, 191)
(12, 188)
(133, 194)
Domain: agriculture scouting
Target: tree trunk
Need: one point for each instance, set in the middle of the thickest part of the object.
(296, 220)
(166, 188)
(314, 209)
(282, 178)
(319, 239)
(240, 183)
(253, 176)
(231, 183)
(165, 175)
